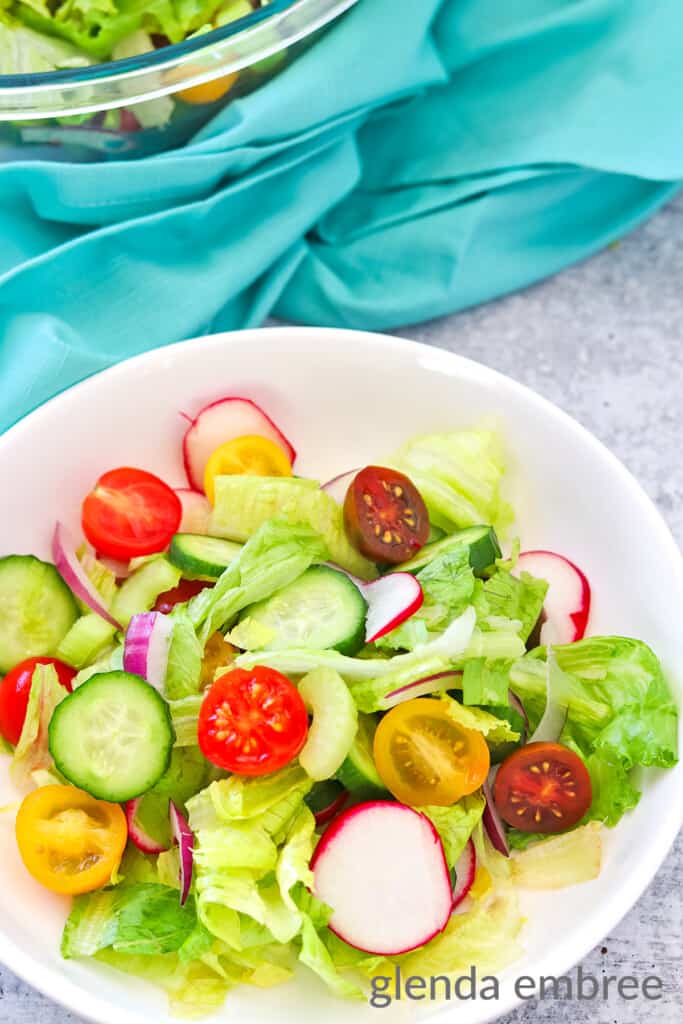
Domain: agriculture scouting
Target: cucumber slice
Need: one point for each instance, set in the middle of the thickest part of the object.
(37, 609)
(481, 540)
(139, 592)
(322, 610)
(358, 772)
(201, 557)
(112, 737)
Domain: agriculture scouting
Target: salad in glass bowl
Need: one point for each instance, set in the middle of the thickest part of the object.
(264, 719)
(117, 79)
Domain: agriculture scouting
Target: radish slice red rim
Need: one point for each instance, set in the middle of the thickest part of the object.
(222, 421)
(465, 870)
(182, 835)
(136, 832)
(554, 717)
(422, 687)
(383, 903)
(146, 647)
(196, 511)
(568, 601)
(493, 823)
(339, 485)
(75, 576)
(391, 600)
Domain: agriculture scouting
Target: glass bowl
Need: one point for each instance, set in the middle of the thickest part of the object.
(157, 101)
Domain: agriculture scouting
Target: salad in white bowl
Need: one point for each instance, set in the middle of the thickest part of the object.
(266, 719)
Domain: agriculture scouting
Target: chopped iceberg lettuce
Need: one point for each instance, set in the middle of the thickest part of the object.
(245, 503)
(459, 475)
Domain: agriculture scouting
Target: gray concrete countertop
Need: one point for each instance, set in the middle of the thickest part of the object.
(603, 341)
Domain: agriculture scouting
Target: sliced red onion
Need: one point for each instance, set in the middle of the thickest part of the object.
(516, 705)
(182, 835)
(339, 485)
(75, 576)
(551, 725)
(493, 823)
(465, 871)
(136, 832)
(146, 647)
(326, 815)
(419, 688)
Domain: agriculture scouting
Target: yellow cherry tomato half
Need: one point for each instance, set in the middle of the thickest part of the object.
(208, 92)
(424, 756)
(250, 455)
(70, 842)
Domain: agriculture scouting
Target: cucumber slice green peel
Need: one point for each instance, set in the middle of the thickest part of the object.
(112, 737)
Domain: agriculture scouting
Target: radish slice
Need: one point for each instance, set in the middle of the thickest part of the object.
(222, 421)
(568, 601)
(75, 576)
(493, 823)
(136, 832)
(421, 688)
(182, 835)
(196, 511)
(555, 715)
(391, 600)
(146, 647)
(382, 869)
(339, 485)
(465, 870)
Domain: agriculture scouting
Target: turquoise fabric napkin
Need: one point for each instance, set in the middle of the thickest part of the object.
(423, 156)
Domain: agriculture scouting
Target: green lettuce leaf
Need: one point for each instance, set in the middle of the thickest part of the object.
(447, 584)
(31, 752)
(316, 956)
(254, 839)
(495, 730)
(277, 553)
(459, 475)
(455, 824)
(507, 597)
(244, 503)
(24, 52)
(97, 26)
(619, 703)
(184, 671)
(143, 919)
(486, 682)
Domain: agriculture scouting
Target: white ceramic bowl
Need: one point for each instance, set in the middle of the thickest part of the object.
(346, 398)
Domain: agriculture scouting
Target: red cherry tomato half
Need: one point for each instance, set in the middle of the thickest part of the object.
(185, 590)
(542, 787)
(385, 516)
(252, 722)
(130, 513)
(15, 689)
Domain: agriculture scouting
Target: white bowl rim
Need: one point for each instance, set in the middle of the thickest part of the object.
(566, 953)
